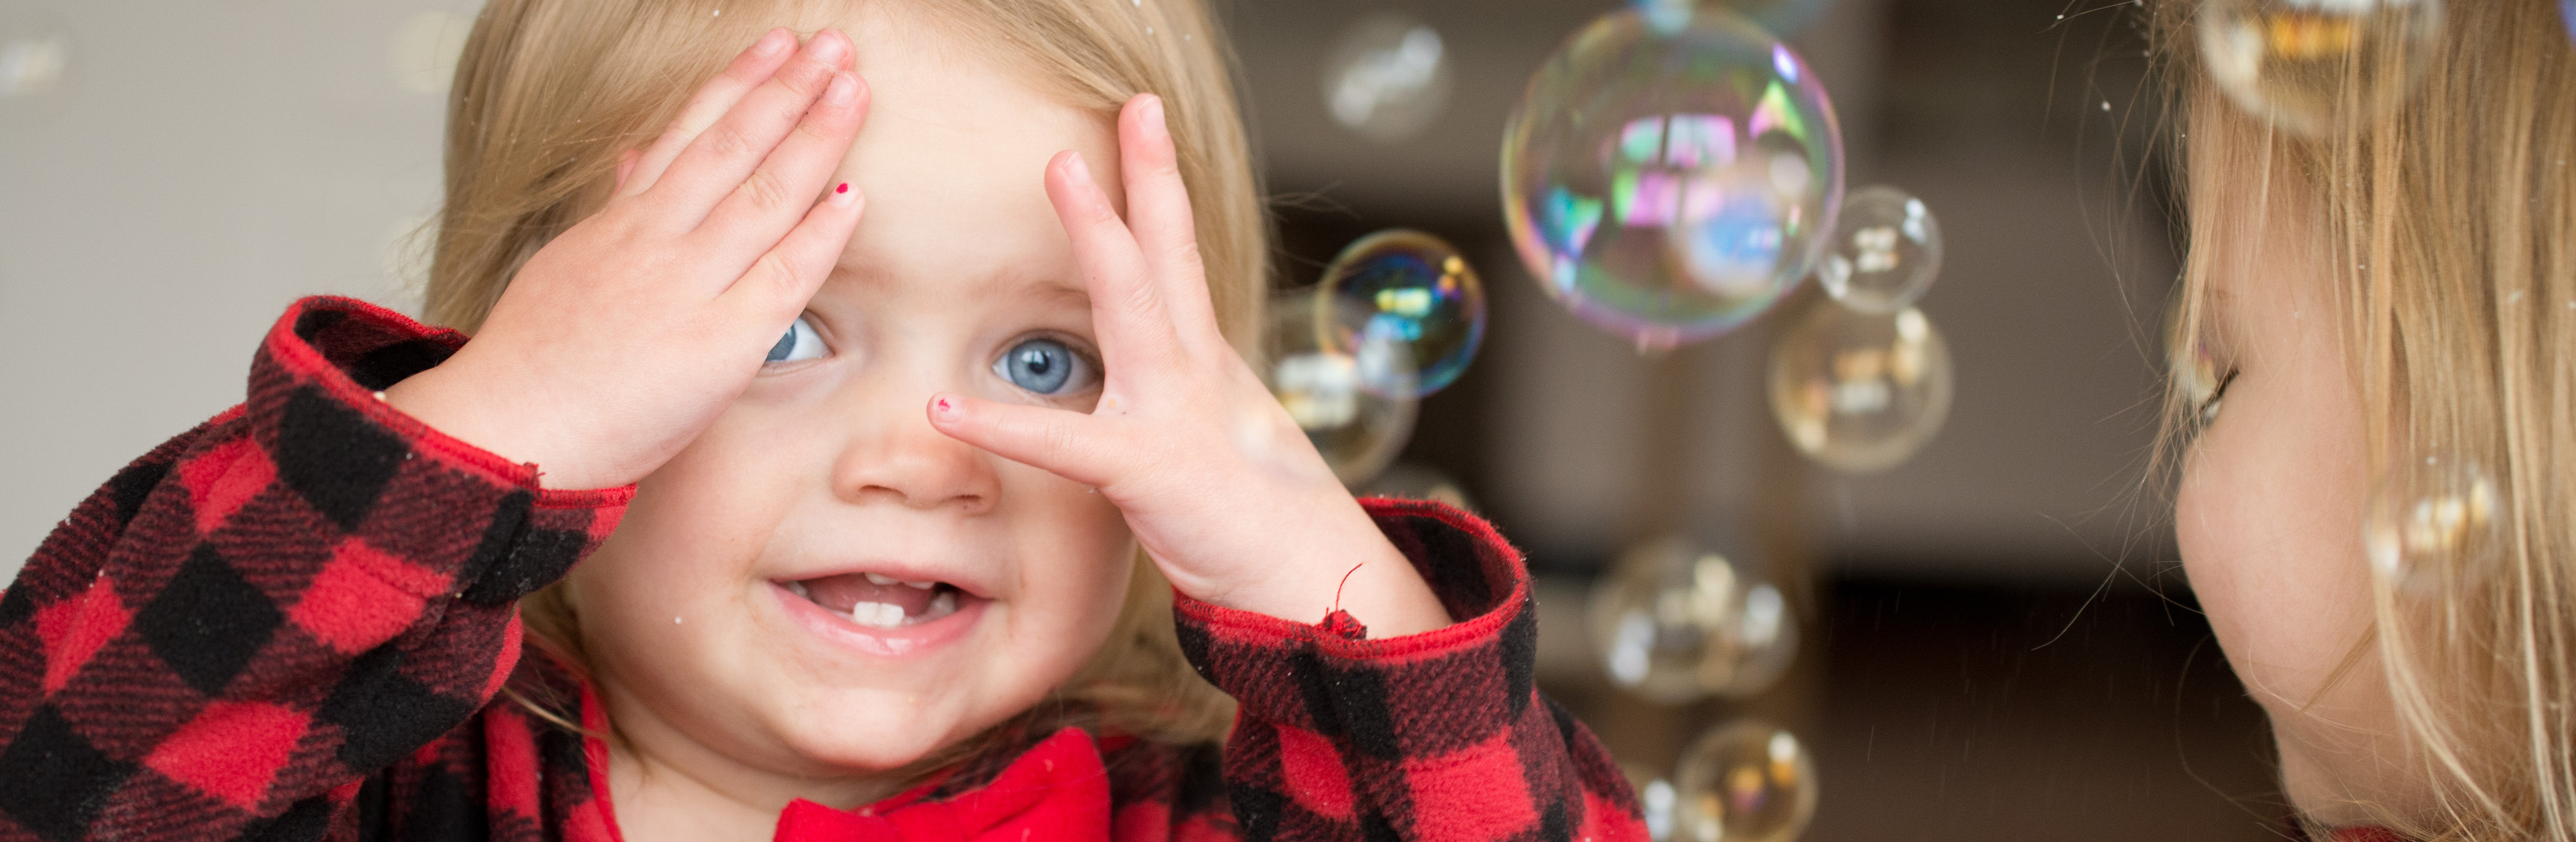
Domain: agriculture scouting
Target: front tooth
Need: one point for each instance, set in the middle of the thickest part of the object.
(883, 615)
(880, 579)
(920, 585)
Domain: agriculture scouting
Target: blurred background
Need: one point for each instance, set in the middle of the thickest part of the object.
(1994, 640)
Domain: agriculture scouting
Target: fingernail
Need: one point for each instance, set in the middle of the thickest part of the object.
(775, 42)
(829, 50)
(844, 88)
(944, 407)
(1079, 169)
(842, 196)
(1154, 124)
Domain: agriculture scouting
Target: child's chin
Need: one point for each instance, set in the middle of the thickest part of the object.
(880, 730)
(863, 748)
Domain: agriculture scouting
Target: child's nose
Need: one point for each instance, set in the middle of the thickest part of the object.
(896, 456)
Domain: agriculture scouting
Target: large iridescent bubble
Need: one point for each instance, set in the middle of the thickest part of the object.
(1669, 179)
(1778, 17)
(1415, 288)
(2313, 66)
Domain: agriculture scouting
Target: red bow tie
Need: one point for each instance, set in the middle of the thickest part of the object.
(1057, 790)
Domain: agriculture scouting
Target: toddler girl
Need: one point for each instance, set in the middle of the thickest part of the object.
(904, 528)
(2399, 290)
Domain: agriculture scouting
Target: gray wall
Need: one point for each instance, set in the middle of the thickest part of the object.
(206, 164)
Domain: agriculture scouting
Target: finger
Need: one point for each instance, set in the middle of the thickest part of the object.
(766, 299)
(1125, 308)
(1062, 442)
(778, 193)
(1158, 211)
(754, 66)
(727, 153)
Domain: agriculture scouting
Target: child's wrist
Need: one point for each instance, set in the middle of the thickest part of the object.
(446, 398)
(1352, 568)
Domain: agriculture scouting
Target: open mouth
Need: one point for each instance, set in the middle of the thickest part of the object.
(879, 601)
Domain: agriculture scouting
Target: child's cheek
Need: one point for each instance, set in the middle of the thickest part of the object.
(1076, 554)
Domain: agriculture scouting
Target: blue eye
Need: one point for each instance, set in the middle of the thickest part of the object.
(800, 343)
(1044, 366)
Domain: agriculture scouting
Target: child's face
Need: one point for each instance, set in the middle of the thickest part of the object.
(720, 616)
(2269, 512)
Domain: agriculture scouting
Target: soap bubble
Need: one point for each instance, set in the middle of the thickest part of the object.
(2310, 66)
(1860, 392)
(1355, 405)
(1655, 798)
(1406, 481)
(1670, 179)
(1886, 251)
(2188, 361)
(1677, 625)
(1387, 77)
(1778, 17)
(1744, 782)
(36, 63)
(2433, 524)
(1412, 286)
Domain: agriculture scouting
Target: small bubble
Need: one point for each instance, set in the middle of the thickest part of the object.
(1748, 781)
(1356, 406)
(2434, 528)
(1387, 77)
(2281, 60)
(1413, 290)
(1676, 625)
(1885, 252)
(1860, 392)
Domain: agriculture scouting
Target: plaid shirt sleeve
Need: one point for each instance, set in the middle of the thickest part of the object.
(1434, 736)
(227, 638)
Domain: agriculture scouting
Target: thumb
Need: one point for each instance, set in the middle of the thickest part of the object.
(1061, 442)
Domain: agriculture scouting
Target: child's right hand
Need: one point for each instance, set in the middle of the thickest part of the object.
(628, 334)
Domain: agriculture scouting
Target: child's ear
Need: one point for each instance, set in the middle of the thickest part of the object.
(626, 166)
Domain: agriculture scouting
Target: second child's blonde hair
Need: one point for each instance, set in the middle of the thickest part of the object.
(550, 92)
(2451, 225)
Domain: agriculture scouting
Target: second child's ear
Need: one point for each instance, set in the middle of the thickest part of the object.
(626, 166)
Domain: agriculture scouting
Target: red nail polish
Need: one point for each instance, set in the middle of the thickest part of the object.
(844, 188)
(943, 405)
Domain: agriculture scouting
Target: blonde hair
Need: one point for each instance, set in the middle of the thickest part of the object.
(2451, 226)
(549, 92)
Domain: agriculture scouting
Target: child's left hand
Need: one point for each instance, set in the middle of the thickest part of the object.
(1220, 486)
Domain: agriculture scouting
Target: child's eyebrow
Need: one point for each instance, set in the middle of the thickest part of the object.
(1049, 289)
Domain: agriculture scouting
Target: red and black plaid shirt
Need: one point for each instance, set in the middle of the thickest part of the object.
(292, 622)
